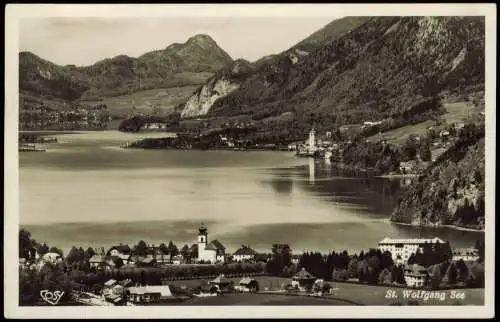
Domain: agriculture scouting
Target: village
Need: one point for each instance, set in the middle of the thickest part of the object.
(80, 117)
(156, 275)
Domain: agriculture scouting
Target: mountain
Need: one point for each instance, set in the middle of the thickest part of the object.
(220, 86)
(379, 69)
(190, 63)
(452, 191)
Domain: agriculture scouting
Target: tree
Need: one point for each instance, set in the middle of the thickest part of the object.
(25, 244)
(340, 275)
(172, 249)
(163, 248)
(43, 249)
(352, 268)
(281, 257)
(425, 153)
(385, 277)
(462, 271)
(96, 289)
(480, 247)
(185, 251)
(141, 249)
(435, 276)
(89, 253)
(451, 275)
(74, 256)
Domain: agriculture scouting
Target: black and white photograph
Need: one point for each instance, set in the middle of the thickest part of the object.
(309, 160)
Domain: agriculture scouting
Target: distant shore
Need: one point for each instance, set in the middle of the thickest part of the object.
(439, 226)
(389, 176)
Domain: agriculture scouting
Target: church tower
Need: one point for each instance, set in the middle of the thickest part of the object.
(202, 237)
(312, 139)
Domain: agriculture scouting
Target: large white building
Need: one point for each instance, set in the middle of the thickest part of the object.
(212, 252)
(402, 249)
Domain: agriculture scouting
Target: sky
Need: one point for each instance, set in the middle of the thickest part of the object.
(84, 41)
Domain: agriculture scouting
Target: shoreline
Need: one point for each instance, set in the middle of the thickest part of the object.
(396, 176)
(439, 226)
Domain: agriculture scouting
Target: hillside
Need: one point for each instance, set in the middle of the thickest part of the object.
(452, 190)
(221, 85)
(178, 65)
(375, 71)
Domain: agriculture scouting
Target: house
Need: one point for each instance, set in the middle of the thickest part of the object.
(406, 167)
(296, 258)
(177, 260)
(150, 294)
(244, 253)
(303, 280)
(162, 258)
(121, 251)
(48, 258)
(416, 276)
(444, 133)
(402, 249)
(111, 263)
(147, 260)
(212, 252)
(96, 261)
(206, 290)
(126, 282)
(465, 254)
(52, 258)
(114, 292)
(248, 285)
(221, 282)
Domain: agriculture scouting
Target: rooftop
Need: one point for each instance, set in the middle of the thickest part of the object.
(124, 249)
(221, 279)
(164, 290)
(245, 250)
(246, 280)
(303, 275)
(390, 241)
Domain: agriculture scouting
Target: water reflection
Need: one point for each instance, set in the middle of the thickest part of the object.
(312, 167)
(282, 185)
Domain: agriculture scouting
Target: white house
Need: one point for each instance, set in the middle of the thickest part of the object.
(212, 252)
(48, 258)
(416, 276)
(244, 253)
(402, 249)
(465, 254)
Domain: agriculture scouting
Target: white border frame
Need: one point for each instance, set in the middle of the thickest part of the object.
(14, 12)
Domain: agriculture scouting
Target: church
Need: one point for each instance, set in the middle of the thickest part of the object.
(212, 252)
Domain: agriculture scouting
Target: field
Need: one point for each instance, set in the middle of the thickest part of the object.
(455, 112)
(458, 112)
(346, 294)
(399, 135)
(262, 299)
(165, 98)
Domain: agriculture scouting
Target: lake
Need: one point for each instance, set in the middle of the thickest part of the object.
(87, 191)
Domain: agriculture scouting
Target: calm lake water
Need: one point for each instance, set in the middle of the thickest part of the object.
(87, 191)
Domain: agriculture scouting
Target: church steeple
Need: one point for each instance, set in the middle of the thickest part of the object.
(202, 235)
